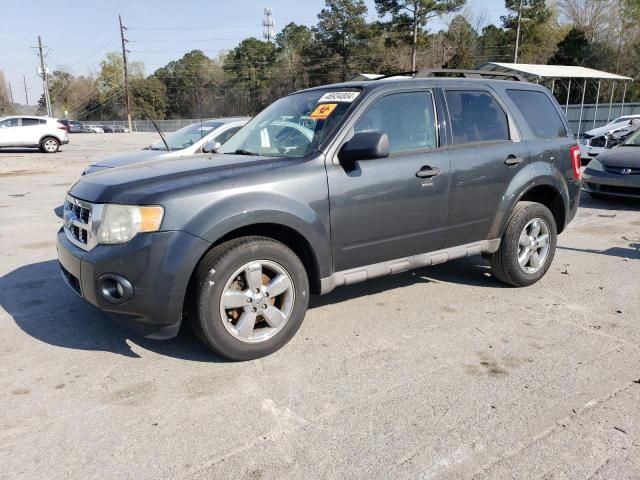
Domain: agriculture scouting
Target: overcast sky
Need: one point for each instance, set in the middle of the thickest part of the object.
(78, 34)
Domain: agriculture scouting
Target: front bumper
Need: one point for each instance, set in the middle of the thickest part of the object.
(604, 183)
(157, 265)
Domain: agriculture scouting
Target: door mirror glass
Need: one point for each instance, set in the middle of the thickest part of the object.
(211, 147)
(365, 146)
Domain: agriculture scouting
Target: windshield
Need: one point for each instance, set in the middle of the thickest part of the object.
(187, 136)
(633, 140)
(293, 126)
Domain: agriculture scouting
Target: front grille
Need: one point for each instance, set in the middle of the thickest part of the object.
(77, 222)
(619, 170)
(598, 142)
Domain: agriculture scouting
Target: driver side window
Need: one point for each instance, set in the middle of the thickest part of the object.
(407, 118)
(9, 122)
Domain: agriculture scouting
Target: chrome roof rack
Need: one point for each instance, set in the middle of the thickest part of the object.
(443, 72)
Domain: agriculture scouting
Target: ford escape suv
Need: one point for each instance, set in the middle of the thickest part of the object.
(326, 187)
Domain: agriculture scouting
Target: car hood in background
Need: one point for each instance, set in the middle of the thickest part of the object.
(148, 182)
(621, 156)
(596, 132)
(127, 158)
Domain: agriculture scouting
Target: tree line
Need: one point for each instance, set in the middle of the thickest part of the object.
(600, 34)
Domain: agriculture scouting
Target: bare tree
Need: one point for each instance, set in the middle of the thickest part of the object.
(597, 18)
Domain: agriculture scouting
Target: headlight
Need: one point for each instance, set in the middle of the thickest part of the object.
(595, 165)
(120, 223)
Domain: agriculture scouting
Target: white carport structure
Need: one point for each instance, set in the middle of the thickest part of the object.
(564, 73)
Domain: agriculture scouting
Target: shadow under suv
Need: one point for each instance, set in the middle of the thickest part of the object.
(326, 187)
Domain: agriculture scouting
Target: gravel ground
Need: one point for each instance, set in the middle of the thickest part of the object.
(437, 373)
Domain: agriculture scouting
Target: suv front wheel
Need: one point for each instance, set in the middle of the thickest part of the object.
(250, 297)
(528, 245)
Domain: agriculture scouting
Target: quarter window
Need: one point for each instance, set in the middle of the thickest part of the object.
(407, 118)
(539, 112)
(476, 117)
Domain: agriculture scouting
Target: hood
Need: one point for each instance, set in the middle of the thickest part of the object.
(596, 132)
(621, 156)
(128, 158)
(147, 182)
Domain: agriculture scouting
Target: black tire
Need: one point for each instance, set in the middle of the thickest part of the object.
(212, 274)
(47, 145)
(504, 262)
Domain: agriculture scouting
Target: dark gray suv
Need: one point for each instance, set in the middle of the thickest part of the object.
(326, 187)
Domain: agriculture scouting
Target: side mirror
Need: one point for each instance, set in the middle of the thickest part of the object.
(364, 146)
(211, 147)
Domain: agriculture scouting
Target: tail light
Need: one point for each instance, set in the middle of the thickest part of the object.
(61, 126)
(576, 161)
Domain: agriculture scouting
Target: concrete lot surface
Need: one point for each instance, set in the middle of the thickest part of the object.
(438, 373)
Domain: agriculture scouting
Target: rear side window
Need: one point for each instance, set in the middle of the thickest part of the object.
(539, 112)
(30, 122)
(476, 117)
(407, 118)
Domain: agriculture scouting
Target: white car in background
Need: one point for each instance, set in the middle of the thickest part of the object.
(594, 142)
(201, 137)
(44, 133)
(94, 128)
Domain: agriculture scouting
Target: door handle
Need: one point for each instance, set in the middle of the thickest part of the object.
(512, 160)
(427, 172)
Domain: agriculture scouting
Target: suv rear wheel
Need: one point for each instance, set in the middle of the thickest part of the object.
(250, 297)
(49, 145)
(528, 245)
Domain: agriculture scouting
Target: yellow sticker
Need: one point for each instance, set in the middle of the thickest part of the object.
(323, 110)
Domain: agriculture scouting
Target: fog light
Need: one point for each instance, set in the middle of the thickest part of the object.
(115, 288)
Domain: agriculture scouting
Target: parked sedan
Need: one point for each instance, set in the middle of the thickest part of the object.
(44, 133)
(73, 126)
(94, 128)
(199, 137)
(616, 172)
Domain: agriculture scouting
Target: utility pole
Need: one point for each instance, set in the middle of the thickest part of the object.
(10, 93)
(515, 56)
(126, 73)
(26, 95)
(44, 73)
(268, 23)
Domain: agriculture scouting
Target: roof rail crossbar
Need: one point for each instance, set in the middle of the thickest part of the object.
(443, 72)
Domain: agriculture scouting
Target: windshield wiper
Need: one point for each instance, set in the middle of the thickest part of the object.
(242, 151)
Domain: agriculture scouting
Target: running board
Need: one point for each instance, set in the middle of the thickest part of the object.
(399, 265)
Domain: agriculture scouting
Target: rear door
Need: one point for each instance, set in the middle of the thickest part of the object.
(486, 153)
(548, 137)
(382, 209)
(31, 130)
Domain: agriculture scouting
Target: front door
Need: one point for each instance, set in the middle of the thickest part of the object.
(9, 132)
(392, 207)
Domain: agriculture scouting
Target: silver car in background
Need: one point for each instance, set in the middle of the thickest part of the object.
(201, 137)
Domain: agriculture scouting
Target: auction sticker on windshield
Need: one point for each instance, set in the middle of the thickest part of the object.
(323, 110)
(347, 97)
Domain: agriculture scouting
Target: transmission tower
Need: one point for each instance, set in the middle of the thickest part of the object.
(269, 24)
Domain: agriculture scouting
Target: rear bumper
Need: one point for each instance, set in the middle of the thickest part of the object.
(64, 141)
(158, 267)
(603, 183)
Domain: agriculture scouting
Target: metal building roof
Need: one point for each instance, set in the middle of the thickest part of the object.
(534, 72)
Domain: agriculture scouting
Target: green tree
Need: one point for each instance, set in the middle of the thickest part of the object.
(539, 30)
(342, 32)
(248, 68)
(414, 15)
(6, 108)
(148, 98)
(191, 84)
(295, 46)
(461, 38)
